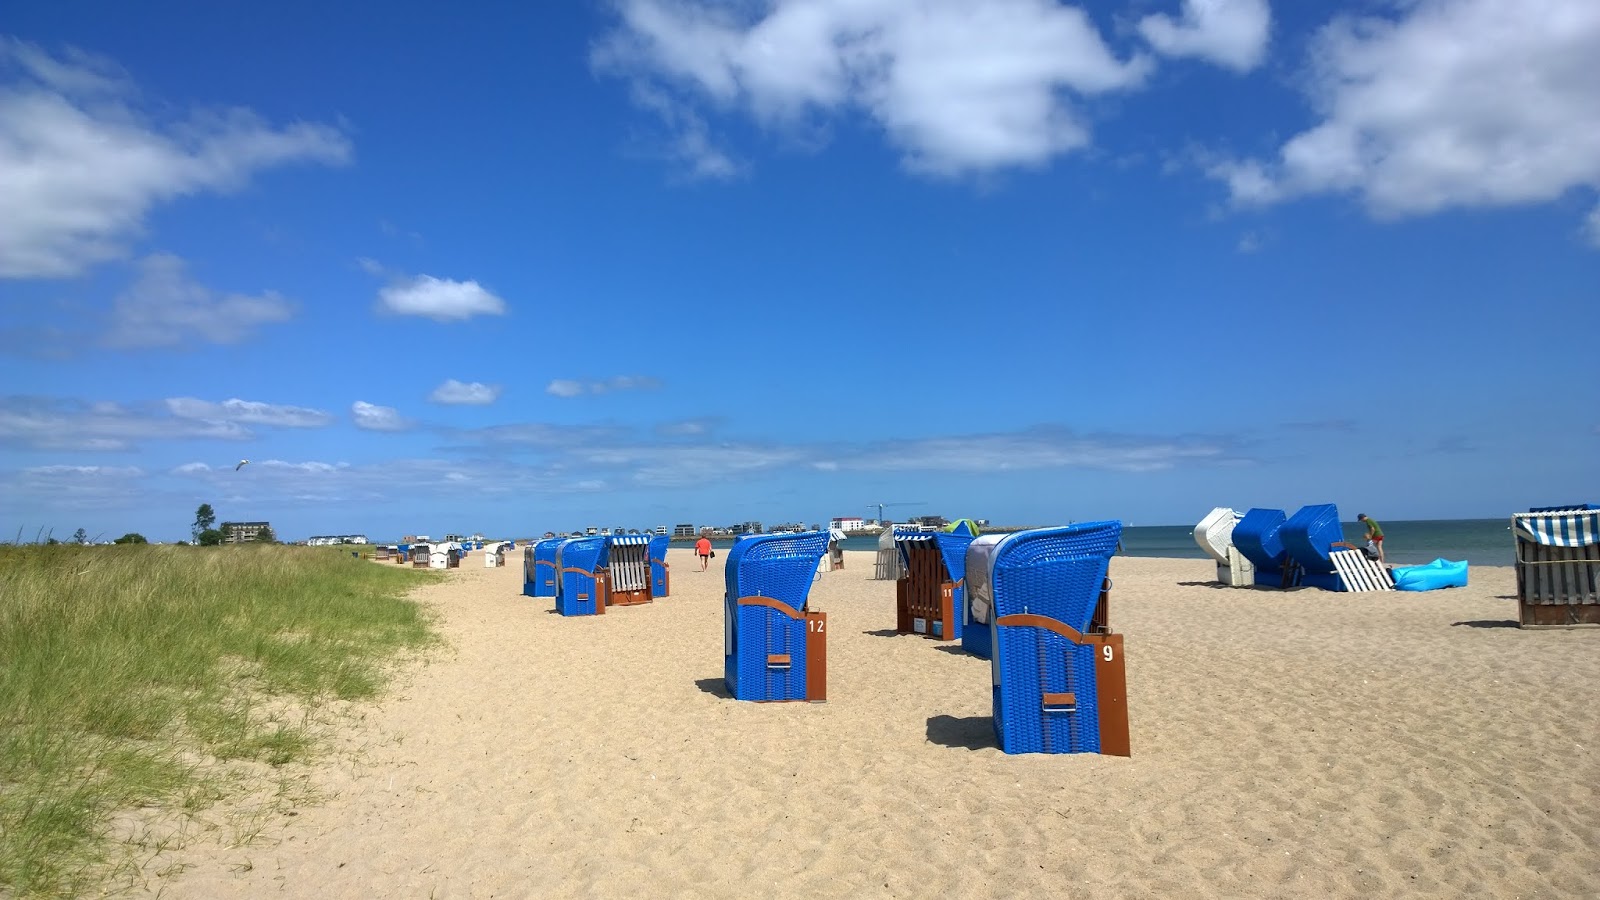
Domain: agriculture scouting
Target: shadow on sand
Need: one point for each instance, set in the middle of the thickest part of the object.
(1210, 584)
(717, 687)
(970, 733)
(1488, 623)
(882, 632)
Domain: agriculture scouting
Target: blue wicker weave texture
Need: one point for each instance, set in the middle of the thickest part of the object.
(577, 595)
(1055, 572)
(528, 585)
(1035, 661)
(658, 570)
(545, 577)
(978, 639)
(1308, 537)
(1258, 539)
(781, 567)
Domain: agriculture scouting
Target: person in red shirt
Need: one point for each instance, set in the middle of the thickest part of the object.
(703, 547)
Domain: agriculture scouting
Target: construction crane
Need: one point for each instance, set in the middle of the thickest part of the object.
(881, 506)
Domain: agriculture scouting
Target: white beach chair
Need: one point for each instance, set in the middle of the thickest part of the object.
(1214, 534)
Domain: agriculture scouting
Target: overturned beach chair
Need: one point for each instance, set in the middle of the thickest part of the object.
(1558, 566)
(580, 588)
(1214, 534)
(930, 595)
(625, 569)
(1059, 684)
(541, 576)
(1308, 537)
(660, 572)
(1259, 540)
(774, 648)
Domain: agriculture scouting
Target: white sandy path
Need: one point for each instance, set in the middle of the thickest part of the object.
(1294, 744)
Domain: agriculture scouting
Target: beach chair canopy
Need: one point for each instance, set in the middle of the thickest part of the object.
(965, 527)
(1214, 534)
(1257, 537)
(1564, 527)
(780, 566)
(1308, 537)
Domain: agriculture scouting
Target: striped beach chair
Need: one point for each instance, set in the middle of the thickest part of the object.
(627, 569)
(581, 586)
(930, 595)
(1059, 685)
(1308, 537)
(1558, 566)
(660, 574)
(1258, 538)
(766, 652)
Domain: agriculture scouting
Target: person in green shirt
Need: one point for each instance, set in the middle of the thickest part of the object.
(1374, 534)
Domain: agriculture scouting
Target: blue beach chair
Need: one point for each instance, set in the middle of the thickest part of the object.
(544, 578)
(1308, 538)
(764, 623)
(660, 581)
(1258, 537)
(933, 573)
(578, 590)
(1058, 681)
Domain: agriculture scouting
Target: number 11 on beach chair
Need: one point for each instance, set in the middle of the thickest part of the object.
(1059, 682)
(774, 645)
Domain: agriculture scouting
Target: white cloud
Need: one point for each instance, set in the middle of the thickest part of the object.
(459, 393)
(81, 165)
(439, 299)
(566, 387)
(248, 411)
(1591, 227)
(43, 423)
(164, 308)
(958, 86)
(372, 417)
(1230, 33)
(85, 471)
(1453, 103)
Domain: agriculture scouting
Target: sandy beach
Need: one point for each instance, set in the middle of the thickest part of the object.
(1285, 744)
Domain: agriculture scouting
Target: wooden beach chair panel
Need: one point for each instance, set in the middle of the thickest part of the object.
(1359, 574)
(628, 569)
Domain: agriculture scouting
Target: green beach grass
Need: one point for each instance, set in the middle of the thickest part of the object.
(138, 676)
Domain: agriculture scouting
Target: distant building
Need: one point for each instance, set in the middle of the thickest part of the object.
(930, 521)
(683, 530)
(661, 529)
(243, 532)
(326, 540)
(848, 523)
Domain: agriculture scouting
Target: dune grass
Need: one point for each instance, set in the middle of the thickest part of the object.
(129, 676)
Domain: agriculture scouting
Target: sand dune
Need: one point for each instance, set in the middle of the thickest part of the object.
(1287, 744)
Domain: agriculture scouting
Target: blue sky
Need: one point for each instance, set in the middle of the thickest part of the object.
(541, 266)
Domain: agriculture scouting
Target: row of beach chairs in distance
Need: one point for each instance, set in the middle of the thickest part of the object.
(1037, 611)
(1265, 548)
(585, 575)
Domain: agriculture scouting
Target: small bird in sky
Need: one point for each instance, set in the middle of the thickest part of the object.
(242, 464)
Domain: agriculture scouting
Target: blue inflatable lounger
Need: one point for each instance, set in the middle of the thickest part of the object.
(1258, 539)
(930, 593)
(540, 575)
(1059, 683)
(580, 589)
(660, 572)
(1441, 573)
(774, 647)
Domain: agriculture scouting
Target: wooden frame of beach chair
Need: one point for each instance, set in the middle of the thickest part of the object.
(627, 570)
(930, 591)
(774, 645)
(1558, 567)
(1059, 677)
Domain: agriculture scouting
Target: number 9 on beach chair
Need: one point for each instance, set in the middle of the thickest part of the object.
(773, 646)
(580, 590)
(1058, 678)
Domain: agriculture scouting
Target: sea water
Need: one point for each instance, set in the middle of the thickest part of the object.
(1481, 542)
